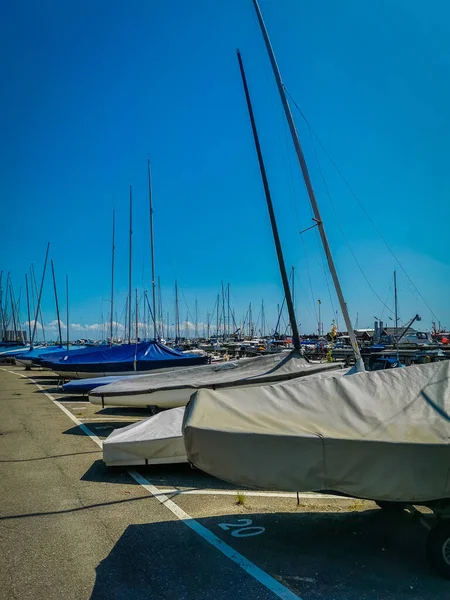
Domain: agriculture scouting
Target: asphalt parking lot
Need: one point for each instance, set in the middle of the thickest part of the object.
(72, 528)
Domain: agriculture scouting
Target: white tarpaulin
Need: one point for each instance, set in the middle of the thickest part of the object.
(175, 388)
(383, 435)
(156, 440)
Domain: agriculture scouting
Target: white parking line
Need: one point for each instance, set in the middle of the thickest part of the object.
(72, 401)
(246, 565)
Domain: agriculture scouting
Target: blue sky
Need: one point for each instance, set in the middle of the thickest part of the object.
(92, 89)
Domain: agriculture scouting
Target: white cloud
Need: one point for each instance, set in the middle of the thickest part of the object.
(53, 325)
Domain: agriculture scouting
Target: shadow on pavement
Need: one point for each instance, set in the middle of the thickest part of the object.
(71, 510)
(343, 556)
(68, 397)
(176, 476)
(99, 472)
(124, 411)
(100, 428)
(20, 460)
(40, 377)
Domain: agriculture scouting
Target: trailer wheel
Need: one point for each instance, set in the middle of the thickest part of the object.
(391, 508)
(438, 548)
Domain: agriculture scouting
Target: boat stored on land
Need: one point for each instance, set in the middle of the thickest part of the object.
(142, 357)
(169, 391)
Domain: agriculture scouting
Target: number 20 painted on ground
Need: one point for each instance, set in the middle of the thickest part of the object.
(242, 528)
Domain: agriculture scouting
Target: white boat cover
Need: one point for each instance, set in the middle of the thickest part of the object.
(250, 371)
(156, 440)
(383, 435)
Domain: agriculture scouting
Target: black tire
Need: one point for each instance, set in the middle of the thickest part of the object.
(438, 548)
(391, 508)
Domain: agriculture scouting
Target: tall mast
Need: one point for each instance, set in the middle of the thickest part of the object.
(28, 306)
(130, 265)
(126, 316)
(113, 248)
(32, 302)
(1, 308)
(35, 292)
(396, 311)
(5, 308)
(56, 302)
(177, 315)
(152, 248)
(160, 311)
(228, 302)
(293, 288)
(319, 324)
(67, 311)
(144, 318)
(223, 310)
(282, 266)
(40, 296)
(217, 318)
(309, 188)
(263, 319)
(196, 320)
(137, 315)
(13, 312)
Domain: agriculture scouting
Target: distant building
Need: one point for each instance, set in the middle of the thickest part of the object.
(364, 335)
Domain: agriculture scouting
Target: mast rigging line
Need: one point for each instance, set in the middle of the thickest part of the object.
(327, 191)
(309, 275)
(341, 175)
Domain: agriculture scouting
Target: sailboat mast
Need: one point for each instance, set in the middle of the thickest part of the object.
(35, 292)
(40, 296)
(13, 313)
(56, 302)
(160, 312)
(396, 311)
(223, 311)
(309, 188)
(67, 311)
(113, 248)
(177, 315)
(196, 320)
(152, 248)
(130, 265)
(228, 302)
(1, 308)
(263, 319)
(282, 266)
(28, 306)
(217, 317)
(137, 315)
(293, 289)
(6, 306)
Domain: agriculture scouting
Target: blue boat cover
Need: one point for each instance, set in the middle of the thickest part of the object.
(41, 350)
(128, 357)
(83, 386)
(13, 351)
(57, 354)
